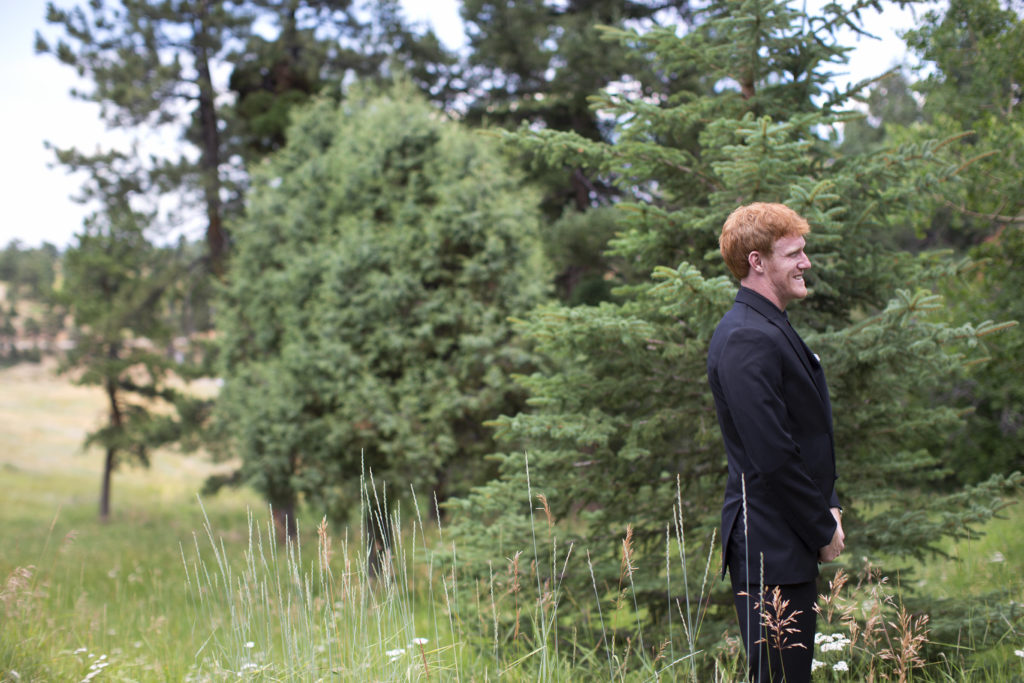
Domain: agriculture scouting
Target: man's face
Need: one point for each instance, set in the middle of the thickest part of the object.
(785, 269)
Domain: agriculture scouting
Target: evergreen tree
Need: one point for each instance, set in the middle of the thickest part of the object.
(319, 44)
(115, 283)
(622, 432)
(364, 323)
(973, 86)
(539, 62)
(152, 66)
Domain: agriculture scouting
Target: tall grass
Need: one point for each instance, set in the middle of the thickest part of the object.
(232, 602)
(354, 611)
(173, 590)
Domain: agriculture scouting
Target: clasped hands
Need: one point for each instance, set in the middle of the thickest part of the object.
(833, 549)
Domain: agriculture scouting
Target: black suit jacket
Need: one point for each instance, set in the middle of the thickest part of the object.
(776, 421)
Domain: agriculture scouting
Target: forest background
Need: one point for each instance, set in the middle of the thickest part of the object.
(479, 286)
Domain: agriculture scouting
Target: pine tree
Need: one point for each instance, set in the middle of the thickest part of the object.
(115, 285)
(364, 325)
(152, 67)
(622, 431)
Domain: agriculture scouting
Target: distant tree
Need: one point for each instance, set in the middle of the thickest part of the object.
(115, 285)
(9, 261)
(621, 414)
(151, 65)
(28, 275)
(27, 271)
(365, 318)
(889, 102)
(317, 46)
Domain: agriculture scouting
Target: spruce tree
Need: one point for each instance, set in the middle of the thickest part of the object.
(622, 432)
(364, 324)
(973, 87)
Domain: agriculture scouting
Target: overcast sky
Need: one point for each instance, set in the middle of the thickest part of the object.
(36, 106)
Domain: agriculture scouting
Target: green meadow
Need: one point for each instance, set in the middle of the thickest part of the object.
(174, 588)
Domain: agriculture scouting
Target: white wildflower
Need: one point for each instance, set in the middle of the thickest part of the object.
(1019, 653)
(997, 557)
(419, 641)
(840, 666)
(815, 664)
(250, 645)
(395, 653)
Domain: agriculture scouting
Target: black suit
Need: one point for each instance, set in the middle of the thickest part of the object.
(776, 421)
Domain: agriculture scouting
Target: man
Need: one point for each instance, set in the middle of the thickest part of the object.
(781, 515)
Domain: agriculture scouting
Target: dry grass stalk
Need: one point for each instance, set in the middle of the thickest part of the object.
(831, 604)
(547, 509)
(514, 587)
(324, 543)
(778, 621)
(627, 567)
(16, 592)
(912, 634)
(69, 540)
(423, 658)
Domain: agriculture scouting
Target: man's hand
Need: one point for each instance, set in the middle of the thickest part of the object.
(833, 549)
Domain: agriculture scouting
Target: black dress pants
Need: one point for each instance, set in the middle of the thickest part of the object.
(779, 647)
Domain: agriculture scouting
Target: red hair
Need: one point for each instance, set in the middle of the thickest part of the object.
(757, 227)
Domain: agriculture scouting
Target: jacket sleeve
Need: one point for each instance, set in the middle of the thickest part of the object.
(750, 375)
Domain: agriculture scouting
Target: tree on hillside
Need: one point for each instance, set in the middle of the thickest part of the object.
(365, 320)
(28, 271)
(115, 285)
(27, 276)
(622, 415)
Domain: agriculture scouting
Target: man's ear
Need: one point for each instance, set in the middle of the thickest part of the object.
(755, 262)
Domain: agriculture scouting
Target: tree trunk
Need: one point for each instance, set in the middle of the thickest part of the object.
(284, 522)
(209, 153)
(108, 469)
(111, 460)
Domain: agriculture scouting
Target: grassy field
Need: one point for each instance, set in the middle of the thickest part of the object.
(175, 589)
